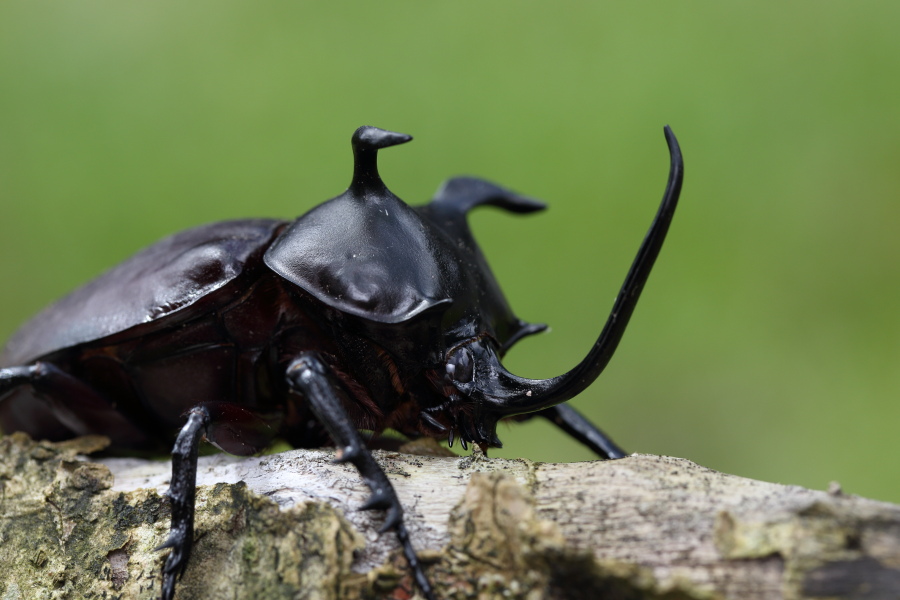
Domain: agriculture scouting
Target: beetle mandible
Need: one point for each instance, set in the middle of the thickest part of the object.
(364, 313)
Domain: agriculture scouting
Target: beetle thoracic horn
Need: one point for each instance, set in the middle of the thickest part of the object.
(366, 142)
(506, 394)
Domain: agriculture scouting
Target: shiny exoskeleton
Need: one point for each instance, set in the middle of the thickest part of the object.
(363, 314)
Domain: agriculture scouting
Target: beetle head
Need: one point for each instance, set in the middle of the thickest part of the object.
(485, 392)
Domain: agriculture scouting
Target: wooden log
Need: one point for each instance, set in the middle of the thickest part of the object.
(284, 526)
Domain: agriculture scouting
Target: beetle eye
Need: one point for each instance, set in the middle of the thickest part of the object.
(461, 366)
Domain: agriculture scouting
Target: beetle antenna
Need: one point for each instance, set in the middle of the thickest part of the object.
(366, 142)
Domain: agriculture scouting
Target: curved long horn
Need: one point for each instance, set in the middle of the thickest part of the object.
(507, 394)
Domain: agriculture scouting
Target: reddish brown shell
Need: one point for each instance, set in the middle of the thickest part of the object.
(155, 283)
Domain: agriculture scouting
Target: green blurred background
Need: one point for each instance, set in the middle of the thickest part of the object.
(768, 339)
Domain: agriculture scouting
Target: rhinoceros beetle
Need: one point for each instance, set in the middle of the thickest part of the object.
(363, 314)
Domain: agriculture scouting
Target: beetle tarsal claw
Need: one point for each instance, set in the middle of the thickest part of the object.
(377, 502)
(169, 543)
(393, 519)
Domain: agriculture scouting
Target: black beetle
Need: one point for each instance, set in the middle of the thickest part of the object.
(364, 313)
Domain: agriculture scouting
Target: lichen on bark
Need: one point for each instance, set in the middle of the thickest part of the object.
(285, 526)
(66, 534)
(506, 551)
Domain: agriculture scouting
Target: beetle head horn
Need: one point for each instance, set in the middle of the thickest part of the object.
(366, 142)
(474, 368)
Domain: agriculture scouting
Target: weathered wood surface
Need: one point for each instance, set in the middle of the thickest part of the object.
(284, 526)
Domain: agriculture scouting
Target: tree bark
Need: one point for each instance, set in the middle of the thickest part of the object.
(284, 526)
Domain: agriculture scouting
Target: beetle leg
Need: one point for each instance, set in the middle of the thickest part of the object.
(73, 403)
(52, 384)
(309, 376)
(577, 426)
(182, 491)
(13, 377)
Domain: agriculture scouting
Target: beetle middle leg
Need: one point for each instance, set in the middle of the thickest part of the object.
(309, 376)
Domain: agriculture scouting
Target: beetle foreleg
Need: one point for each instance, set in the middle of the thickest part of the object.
(309, 376)
(182, 491)
(577, 426)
